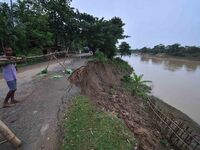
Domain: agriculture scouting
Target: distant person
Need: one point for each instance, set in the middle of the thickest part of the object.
(10, 76)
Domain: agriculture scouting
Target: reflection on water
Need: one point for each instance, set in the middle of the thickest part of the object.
(175, 81)
(171, 64)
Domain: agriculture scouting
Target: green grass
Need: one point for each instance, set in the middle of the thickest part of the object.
(88, 128)
(99, 56)
(44, 71)
(128, 83)
(121, 64)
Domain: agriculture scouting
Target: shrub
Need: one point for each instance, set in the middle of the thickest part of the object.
(136, 84)
(100, 56)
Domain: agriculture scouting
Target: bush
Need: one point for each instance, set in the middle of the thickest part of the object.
(136, 84)
(100, 56)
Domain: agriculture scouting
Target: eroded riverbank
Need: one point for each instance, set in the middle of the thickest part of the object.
(102, 83)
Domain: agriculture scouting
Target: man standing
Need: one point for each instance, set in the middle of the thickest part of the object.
(10, 75)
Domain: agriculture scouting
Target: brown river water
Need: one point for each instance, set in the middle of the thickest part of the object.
(175, 81)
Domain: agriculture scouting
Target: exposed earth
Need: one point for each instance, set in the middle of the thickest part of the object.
(37, 118)
(102, 83)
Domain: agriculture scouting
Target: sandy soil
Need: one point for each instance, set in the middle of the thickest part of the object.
(36, 120)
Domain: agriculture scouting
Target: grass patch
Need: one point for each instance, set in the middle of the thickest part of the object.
(44, 71)
(99, 56)
(121, 64)
(88, 128)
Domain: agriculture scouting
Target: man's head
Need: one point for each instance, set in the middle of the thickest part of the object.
(8, 51)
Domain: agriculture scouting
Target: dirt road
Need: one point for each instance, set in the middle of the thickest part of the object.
(36, 119)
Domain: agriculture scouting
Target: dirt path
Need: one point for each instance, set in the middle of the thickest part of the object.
(37, 118)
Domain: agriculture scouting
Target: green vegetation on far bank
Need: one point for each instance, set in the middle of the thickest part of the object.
(172, 50)
(86, 127)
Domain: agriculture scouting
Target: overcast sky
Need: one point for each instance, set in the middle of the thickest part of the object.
(150, 22)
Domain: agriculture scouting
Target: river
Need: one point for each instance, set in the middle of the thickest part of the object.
(175, 81)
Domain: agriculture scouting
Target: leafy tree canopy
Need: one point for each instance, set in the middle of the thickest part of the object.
(42, 24)
(173, 50)
(124, 49)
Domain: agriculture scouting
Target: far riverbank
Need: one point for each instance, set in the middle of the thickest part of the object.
(163, 55)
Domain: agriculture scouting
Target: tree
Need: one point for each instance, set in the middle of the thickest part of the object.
(5, 25)
(60, 18)
(113, 32)
(107, 34)
(145, 50)
(40, 24)
(124, 49)
(174, 50)
(98, 33)
(158, 49)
